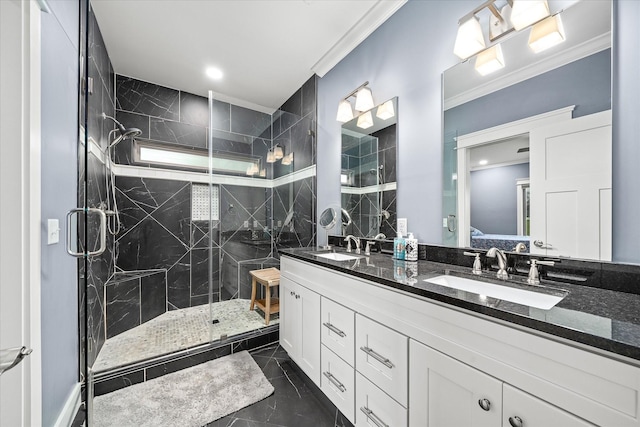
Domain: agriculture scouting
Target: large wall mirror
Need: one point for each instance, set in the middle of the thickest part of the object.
(368, 172)
(527, 149)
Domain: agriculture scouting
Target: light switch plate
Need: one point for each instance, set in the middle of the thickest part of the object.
(255, 223)
(444, 222)
(53, 231)
(246, 224)
(402, 226)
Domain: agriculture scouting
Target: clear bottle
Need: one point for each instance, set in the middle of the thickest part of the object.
(398, 247)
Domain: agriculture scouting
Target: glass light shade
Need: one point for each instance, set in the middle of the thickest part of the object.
(365, 120)
(527, 12)
(470, 39)
(250, 170)
(364, 99)
(345, 112)
(263, 173)
(546, 33)
(271, 158)
(490, 60)
(288, 159)
(277, 152)
(385, 111)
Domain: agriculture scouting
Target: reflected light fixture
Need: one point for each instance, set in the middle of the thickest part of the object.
(277, 152)
(345, 112)
(527, 12)
(253, 169)
(365, 120)
(546, 33)
(386, 111)
(490, 60)
(288, 159)
(364, 99)
(483, 162)
(271, 158)
(470, 39)
(263, 173)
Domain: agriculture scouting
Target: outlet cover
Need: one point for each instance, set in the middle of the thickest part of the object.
(246, 224)
(53, 231)
(402, 226)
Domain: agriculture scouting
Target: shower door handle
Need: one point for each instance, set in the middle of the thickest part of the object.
(103, 232)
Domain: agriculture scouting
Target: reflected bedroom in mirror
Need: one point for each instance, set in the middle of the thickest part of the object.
(368, 171)
(527, 147)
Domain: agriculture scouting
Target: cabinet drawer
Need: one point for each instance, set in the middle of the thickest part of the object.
(374, 407)
(338, 383)
(522, 409)
(382, 357)
(338, 327)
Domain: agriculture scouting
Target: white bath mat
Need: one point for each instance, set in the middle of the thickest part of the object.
(191, 397)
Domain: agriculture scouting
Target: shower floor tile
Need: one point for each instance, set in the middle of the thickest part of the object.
(177, 330)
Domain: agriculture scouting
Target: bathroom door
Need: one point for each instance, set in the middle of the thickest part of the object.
(571, 188)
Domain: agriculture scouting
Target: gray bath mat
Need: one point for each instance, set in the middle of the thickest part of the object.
(192, 397)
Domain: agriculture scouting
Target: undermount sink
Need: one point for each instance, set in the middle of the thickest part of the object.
(506, 293)
(335, 256)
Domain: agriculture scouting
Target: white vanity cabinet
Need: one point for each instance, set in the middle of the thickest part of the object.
(300, 326)
(413, 361)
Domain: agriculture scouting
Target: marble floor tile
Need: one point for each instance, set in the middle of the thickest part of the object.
(177, 330)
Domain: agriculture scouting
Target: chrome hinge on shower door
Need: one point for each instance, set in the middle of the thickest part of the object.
(103, 231)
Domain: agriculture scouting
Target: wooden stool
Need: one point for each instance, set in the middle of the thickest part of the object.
(269, 278)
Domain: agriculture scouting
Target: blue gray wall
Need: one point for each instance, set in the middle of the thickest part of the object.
(59, 186)
(494, 206)
(626, 131)
(405, 57)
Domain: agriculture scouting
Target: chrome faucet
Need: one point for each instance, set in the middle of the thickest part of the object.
(356, 240)
(379, 236)
(534, 275)
(502, 262)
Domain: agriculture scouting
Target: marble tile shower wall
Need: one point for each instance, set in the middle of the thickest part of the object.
(378, 149)
(156, 213)
(98, 269)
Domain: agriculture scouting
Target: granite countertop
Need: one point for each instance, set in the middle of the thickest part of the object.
(605, 319)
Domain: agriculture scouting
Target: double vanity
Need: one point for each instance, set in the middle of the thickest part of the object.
(393, 343)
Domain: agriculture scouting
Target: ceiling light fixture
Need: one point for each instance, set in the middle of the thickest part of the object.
(214, 73)
(489, 60)
(364, 102)
(483, 162)
(527, 12)
(470, 39)
(365, 120)
(385, 111)
(546, 33)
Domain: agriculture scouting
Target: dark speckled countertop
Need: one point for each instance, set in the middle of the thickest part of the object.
(605, 319)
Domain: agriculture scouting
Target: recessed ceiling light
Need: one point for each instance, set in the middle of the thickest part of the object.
(214, 73)
(483, 162)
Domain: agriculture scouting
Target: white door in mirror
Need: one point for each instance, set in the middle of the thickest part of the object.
(571, 188)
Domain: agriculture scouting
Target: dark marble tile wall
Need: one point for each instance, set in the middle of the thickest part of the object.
(367, 219)
(133, 299)
(95, 271)
(158, 233)
(178, 118)
(295, 202)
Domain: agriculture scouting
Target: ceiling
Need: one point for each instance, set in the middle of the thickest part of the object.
(500, 153)
(266, 49)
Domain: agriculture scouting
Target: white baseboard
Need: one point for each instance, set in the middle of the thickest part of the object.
(70, 408)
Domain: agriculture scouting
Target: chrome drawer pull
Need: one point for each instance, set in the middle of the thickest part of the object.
(516, 421)
(373, 417)
(334, 329)
(386, 362)
(334, 381)
(484, 404)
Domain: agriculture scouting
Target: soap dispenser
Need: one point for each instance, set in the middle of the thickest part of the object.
(411, 248)
(398, 247)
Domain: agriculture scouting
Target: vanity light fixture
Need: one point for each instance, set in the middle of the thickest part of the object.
(345, 112)
(385, 111)
(490, 60)
(546, 33)
(263, 173)
(365, 120)
(364, 102)
(469, 39)
(288, 159)
(271, 158)
(277, 152)
(527, 12)
(253, 169)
